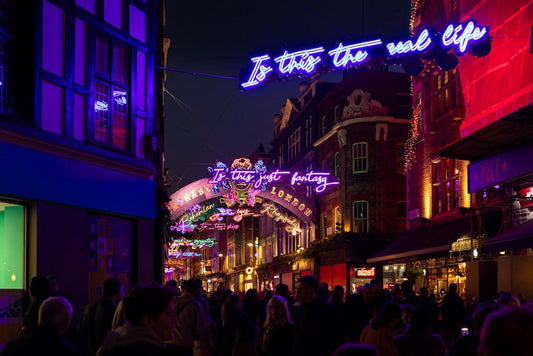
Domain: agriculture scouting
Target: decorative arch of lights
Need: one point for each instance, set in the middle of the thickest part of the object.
(238, 189)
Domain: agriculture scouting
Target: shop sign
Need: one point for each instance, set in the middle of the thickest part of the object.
(365, 272)
(499, 168)
(459, 37)
(464, 243)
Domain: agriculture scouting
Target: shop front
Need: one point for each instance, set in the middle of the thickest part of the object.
(432, 257)
(359, 276)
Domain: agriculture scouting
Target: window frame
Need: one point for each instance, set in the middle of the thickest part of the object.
(359, 163)
(294, 144)
(444, 91)
(116, 118)
(357, 221)
(445, 186)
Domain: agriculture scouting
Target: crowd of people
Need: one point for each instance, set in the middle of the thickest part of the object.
(177, 320)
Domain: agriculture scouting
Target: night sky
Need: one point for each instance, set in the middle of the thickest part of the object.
(207, 117)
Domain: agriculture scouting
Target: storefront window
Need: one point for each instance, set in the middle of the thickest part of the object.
(393, 275)
(12, 222)
(359, 277)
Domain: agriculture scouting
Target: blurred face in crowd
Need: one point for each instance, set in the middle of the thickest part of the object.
(276, 309)
(163, 323)
(368, 294)
(306, 293)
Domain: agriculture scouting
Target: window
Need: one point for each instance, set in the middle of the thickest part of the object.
(360, 157)
(444, 92)
(294, 144)
(338, 220)
(324, 222)
(111, 93)
(308, 131)
(337, 113)
(360, 216)
(445, 183)
(336, 163)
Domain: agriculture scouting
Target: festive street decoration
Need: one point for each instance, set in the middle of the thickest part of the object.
(209, 242)
(244, 181)
(459, 37)
(291, 223)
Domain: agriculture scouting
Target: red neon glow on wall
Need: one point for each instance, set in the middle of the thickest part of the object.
(502, 82)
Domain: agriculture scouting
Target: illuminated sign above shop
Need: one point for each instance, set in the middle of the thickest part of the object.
(459, 37)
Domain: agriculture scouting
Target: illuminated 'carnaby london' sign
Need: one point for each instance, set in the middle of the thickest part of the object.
(458, 37)
(242, 175)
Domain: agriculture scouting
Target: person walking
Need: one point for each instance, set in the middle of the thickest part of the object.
(317, 328)
(380, 332)
(97, 318)
(150, 315)
(417, 339)
(55, 315)
(190, 320)
(236, 331)
(278, 329)
(453, 312)
(40, 290)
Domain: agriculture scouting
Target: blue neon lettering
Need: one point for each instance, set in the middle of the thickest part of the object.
(422, 43)
(301, 60)
(259, 73)
(458, 36)
(455, 35)
(343, 57)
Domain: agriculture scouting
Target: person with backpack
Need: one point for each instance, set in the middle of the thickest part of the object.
(190, 320)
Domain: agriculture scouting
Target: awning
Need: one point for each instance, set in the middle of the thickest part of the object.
(514, 239)
(429, 240)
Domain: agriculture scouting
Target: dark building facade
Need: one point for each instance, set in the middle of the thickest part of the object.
(81, 147)
(354, 130)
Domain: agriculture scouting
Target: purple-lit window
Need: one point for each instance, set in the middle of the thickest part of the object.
(112, 93)
(101, 111)
(101, 55)
(121, 65)
(445, 182)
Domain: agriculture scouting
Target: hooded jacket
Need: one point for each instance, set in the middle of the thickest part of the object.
(132, 340)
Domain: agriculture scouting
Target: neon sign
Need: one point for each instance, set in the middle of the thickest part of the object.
(209, 242)
(292, 223)
(177, 254)
(458, 37)
(241, 176)
(217, 226)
